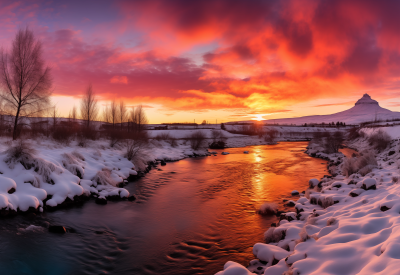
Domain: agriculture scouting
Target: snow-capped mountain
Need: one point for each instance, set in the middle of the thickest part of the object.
(365, 109)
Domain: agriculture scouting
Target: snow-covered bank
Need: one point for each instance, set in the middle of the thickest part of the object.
(49, 174)
(343, 225)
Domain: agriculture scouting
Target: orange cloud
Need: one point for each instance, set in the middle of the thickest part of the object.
(119, 79)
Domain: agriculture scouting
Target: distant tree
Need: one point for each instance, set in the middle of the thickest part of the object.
(89, 108)
(204, 122)
(223, 126)
(26, 82)
(305, 124)
(122, 113)
(110, 113)
(55, 116)
(138, 118)
(73, 114)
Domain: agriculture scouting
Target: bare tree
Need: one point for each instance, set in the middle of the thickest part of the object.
(89, 108)
(26, 82)
(74, 113)
(55, 116)
(106, 114)
(138, 118)
(110, 113)
(122, 112)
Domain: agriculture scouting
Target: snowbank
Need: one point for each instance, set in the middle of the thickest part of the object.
(54, 174)
(350, 226)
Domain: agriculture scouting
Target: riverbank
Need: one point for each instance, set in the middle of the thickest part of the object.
(41, 174)
(190, 217)
(343, 225)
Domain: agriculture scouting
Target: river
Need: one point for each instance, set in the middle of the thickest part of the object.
(191, 217)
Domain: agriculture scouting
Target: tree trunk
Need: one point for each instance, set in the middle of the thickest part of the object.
(16, 123)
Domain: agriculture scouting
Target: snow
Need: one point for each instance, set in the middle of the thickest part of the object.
(52, 175)
(181, 134)
(352, 235)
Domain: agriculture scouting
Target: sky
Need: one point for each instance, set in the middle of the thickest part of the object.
(216, 60)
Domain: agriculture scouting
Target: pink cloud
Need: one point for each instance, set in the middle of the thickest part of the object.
(119, 79)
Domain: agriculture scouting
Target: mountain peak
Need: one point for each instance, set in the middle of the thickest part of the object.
(366, 99)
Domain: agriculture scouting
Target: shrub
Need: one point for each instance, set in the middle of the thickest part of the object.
(380, 140)
(217, 135)
(395, 179)
(333, 142)
(103, 177)
(270, 135)
(62, 134)
(354, 133)
(217, 145)
(317, 136)
(133, 147)
(196, 139)
(274, 235)
(115, 136)
(268, 208)
(362, 164)
(24, 154)
(21, 152)
(167, 137)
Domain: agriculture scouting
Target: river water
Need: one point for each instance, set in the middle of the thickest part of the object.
(191, 217)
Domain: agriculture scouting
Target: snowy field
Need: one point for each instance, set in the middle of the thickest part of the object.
(341, 226)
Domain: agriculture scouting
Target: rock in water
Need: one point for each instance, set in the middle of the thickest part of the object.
(295, 192)
(101, 201)
(131, 198)
(57, 229)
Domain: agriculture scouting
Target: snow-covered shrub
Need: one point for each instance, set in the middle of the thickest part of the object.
(268, 208)
(103, 177)
(321, 200)
(78, 155)
(362, 164)
(196, 139)
(303, 236)
(133, 147)
(395, 179)
(330, 221)
(45, 168)
(72, 164)
(274, 234)
(22, 152)
(380, 140)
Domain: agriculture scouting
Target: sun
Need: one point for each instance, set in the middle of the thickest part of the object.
(259, 117)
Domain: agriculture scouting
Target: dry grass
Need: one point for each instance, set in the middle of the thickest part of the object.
(380, 140)
(196, 139)
(363, 164)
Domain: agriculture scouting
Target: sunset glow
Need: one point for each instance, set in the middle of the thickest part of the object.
(209, 60)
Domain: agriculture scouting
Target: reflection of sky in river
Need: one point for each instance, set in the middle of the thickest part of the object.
(191, 218)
